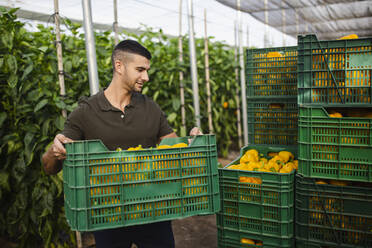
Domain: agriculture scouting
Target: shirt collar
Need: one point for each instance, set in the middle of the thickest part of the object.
(105, 105)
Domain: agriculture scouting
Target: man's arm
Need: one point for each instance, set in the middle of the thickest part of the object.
(53, 158)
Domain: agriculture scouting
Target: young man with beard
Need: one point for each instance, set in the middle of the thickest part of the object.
(122, 117)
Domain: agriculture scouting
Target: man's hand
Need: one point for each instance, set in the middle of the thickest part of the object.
(58, 149)
(53, 158)
(195, 131)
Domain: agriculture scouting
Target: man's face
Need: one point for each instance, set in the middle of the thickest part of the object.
(135, 72)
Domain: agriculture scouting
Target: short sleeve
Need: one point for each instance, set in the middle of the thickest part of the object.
(73, 128)
(164, 125)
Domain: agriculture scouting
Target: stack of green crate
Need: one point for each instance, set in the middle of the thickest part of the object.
(272, 96)
(333, 190)
(257, 208)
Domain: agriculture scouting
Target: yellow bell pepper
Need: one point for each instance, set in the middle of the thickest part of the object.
(135, 148)
(277, 158)
(234, 167)
(338, 183)
(272, 166)
(164, 147)
(295, 162)
(180, 145)
(253, 165)
(250, 156)
(286, 169)
(247, 241)
(274, 55)
(349, 37)
(287, 156)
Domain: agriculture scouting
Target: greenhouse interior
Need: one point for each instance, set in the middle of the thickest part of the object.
(258, 131)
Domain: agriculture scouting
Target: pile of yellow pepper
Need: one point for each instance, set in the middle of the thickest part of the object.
(178, 145)
(281, 162)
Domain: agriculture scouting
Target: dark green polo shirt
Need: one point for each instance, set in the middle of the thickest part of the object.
(142, 123)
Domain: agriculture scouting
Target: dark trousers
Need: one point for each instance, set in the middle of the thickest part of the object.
(154, 235)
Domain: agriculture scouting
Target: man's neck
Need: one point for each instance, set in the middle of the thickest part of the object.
(117, 96)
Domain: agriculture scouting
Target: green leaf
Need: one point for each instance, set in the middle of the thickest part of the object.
(43, 48)
(3, 116)
(21, 198)
(36, 193)
(29, 147)
(156, 95)
(45, 232)
(76, 59)
(7, 40)
(40, 105)
(27, 71)
(172, 117)
(45, 127)
(60, 122)
(12, 80)
(45, 212)
(33, 95)
(145, 90)
(4, 180)
(176, 103)
(56, 180)
(182, 131)
(18, 170)
(67, 66)
(1, 62)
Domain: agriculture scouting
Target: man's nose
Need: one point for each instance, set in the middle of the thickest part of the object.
(145, 76)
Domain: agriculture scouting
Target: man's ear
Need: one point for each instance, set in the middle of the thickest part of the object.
(119, 66)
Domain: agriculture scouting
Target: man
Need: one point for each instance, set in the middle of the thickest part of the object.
(122, 117)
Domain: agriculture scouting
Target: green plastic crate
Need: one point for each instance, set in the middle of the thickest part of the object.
(272, 76)
(334, 148)
(230, 238)
(329, 215)
(108, 189)
(336, 72)
(273, 122)
(265, 209)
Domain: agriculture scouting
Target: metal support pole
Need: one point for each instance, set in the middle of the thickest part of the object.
(194, 72)
(242, 77)
(237, 99)
(297, 23)
(115, 24)
(90, 47)
(209, 105)
(266, 35)
(79, 241)
(61, 76)
(283, 23)
(180, 58)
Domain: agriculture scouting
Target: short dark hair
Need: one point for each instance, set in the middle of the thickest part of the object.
(130, 46)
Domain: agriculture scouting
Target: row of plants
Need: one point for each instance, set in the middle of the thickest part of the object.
(31, 209)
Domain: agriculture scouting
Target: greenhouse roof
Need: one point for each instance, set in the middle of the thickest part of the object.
(133, 15)
(328, 19)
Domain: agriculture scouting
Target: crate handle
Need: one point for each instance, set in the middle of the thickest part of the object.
(329, 70)
(276, 105)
